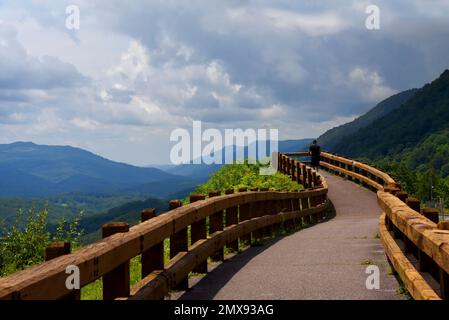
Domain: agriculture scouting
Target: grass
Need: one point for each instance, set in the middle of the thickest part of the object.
(367, 262)
(94, 291)
(401, 289)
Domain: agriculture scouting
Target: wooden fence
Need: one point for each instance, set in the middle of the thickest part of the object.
(416, 243)
(197, 231)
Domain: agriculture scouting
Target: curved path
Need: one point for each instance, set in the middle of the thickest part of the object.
(326, 261)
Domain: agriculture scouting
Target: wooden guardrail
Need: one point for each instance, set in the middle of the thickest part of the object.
(214, 222)
(416, 243)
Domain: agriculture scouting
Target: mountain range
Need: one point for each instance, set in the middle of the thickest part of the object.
(202, 171)
(335, 136)
(426, 112)
(28, 169)
(411, 127)
(32, 170)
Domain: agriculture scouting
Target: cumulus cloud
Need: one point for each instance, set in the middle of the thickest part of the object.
(21, 71)
(133, 72)
(370, 85)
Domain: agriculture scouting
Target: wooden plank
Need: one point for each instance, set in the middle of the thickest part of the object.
(184, 262)
(355, 175)
(412, 279)
(376, 172)
(47, 280)
(420, 230)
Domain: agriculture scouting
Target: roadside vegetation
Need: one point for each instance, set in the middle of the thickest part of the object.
(22, 244)
(244, 175)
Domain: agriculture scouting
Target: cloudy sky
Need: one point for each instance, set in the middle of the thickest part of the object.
(136, 70)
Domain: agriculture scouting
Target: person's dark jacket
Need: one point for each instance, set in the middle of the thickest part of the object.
(315, 155)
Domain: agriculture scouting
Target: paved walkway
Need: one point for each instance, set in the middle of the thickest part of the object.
(326, 261)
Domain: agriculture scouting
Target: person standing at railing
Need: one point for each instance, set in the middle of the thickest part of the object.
(314, 152)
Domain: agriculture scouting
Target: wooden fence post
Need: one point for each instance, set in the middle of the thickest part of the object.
(402, 195)
(153, 258)
(272, 209)
(282, 164)
(256, 209)
(232, 218)
(266, 209)
(350, 168)
(319, 200)
(244, 214)
(292, 169)
(305, 205)
(414, 203)
(313, 203)
(216, 224)
(287, 207)
(444, 276)
(408, 244)
(309, 177)
(198, 232)
(444, 284)
(357, 171)
(279, 162)
(314, 179)
(298, 172)
(305, 178)
(297, 207)
(116, 282)
(431, 213)
(392, 188)
(179, 243)
(57, 249)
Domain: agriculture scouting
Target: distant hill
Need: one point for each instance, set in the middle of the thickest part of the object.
(294, 145)
(431, 152)
(424, 114)
(333, 137)
(127, 212)
(202, 171)
(32, 170)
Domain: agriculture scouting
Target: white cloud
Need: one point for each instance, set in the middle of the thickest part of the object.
(311, 24)
(135, 71)
(371, 86)
(134, 64)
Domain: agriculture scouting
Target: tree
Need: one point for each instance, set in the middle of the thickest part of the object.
(22, 247)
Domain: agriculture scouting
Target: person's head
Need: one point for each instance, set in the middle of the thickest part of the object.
(314, 142)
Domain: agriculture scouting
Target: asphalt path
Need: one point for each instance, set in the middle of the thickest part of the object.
(326, 261)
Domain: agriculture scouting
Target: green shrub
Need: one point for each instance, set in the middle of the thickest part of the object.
(23, 244)
(244, 175)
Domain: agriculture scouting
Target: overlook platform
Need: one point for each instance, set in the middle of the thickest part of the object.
(326, 261)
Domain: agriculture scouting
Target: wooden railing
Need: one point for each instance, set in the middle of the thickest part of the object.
(416, 243)
(214, 222)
